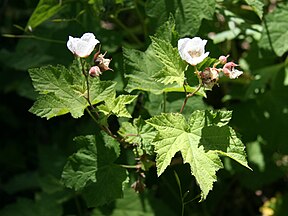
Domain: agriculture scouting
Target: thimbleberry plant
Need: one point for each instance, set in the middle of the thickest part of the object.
(201, 137)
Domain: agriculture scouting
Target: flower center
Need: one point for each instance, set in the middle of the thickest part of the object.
(195, 53)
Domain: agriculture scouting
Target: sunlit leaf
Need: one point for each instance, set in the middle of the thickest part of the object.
(64, 90)
(200, 141)
(116, 105)
(173, 66)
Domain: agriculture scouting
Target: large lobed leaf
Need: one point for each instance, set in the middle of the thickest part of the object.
(92, 169)
(200, 140)
(64, 90)
(159, 69)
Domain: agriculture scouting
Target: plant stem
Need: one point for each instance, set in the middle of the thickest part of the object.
(33, 37)
(185, 203)
(180, 191)
(164, 102)
(189, 95)
(137, 166)
(87, 83)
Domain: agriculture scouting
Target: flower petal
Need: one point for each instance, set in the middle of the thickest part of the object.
(82, 47)
(192, 50)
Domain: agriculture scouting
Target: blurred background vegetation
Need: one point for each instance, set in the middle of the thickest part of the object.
(33, 151)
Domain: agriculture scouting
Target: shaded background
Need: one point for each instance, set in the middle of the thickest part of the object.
(34, 151)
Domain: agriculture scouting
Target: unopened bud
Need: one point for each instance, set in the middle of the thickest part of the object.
(95, 71)
(223, 59)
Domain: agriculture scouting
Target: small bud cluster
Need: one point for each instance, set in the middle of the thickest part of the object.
(101, 64)
(83, 47)
(193, 52)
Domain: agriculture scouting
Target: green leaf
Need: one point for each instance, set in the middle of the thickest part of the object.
(64, 90)
(257, 6)
(140, 68)
(116, 106)
(167, 31)
(138, 133)
(255, 154)
(44, 10)
(49, 106)
(200, 141)
(81, 166)
(109, 186)
(173, 66)
(92, 169)
(275, 33)
(188, 14)
(94, 153)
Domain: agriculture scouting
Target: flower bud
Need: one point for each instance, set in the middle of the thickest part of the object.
(230, 71)
(95, 71)
(223, 59)
(138, 186)
(102, 62)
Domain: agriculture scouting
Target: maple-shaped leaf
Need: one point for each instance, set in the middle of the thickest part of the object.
(62, 90)
(93, 167)
(200, 140)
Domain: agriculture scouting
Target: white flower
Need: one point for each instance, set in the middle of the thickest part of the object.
(82, 47)
(192, 50)
(230, 71)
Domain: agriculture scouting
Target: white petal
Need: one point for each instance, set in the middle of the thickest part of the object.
(235, 74)
(192, 50)
(83, 46)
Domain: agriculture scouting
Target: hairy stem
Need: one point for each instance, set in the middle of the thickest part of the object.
(189, 95)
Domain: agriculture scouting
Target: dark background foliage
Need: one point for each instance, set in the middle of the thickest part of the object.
(34, 150)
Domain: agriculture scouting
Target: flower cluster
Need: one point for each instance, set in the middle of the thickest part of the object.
(193, 52)
(83, 47)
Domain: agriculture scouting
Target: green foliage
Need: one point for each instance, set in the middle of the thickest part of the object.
(188, 15)
(257, 6)
(92, 169)
(158, 68)
(134, 152)
(44, 10)
(200, 141)
(62, 91)
(173, 66)
(275, 36)
(116, 106)
(138, 133)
